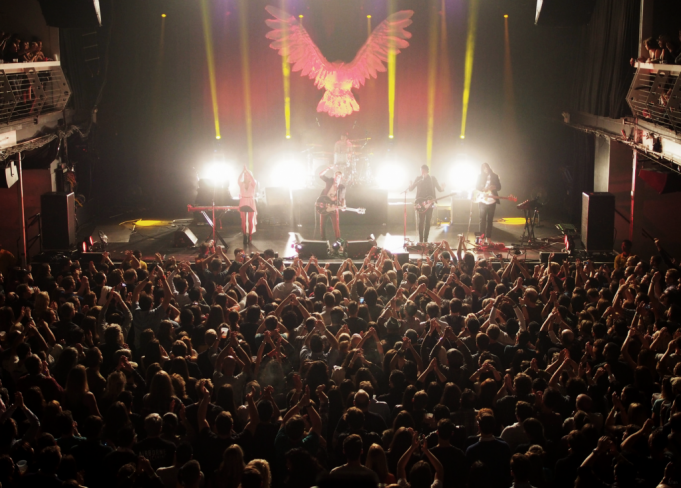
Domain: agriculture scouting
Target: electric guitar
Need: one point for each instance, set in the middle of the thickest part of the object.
(324, 205)
(422, 206)
(487, 198)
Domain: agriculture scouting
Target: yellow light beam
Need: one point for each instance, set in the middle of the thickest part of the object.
(368, 25)
(470, 54)
(432, 78)
(392, 65)
(210, 61)
(246, 76)
(286, 73)
(509, 94)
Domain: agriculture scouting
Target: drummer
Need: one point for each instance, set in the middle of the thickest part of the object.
(342, 151)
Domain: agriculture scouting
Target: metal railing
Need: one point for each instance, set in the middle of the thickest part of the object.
(28, 90)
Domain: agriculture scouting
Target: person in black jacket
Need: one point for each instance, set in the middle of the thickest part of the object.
(488, 181)
(426, 186)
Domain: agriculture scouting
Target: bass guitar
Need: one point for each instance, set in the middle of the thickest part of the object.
(487, 198)
(324, 205)
(422, 206)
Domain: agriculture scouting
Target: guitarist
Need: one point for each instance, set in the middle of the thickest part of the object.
(335, 191)
(488, 181)
(425, 190)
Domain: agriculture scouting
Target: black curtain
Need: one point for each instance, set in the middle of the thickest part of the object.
(603, 73)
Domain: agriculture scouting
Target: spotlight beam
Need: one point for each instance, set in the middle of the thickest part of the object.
(470, 54)
(432, 78)
(210, 61)
(392, 66)
(246, 76)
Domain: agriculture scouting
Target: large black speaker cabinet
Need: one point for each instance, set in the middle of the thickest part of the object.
(358, 249)
(58, 219)
(598, 221)
(564, 13)
(75, 14)
(319, 249)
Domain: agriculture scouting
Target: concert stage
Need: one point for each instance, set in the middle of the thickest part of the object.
(280, 232)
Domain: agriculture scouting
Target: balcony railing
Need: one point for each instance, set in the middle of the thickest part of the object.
(28, 90)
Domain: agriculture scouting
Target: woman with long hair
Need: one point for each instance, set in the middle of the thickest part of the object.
(115, 384)
(228, 475)
(249, 212)
(378, 463)
(115, 418)
(77, 396)
(161, 395)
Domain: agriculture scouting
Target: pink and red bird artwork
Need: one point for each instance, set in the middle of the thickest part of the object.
(337, 78)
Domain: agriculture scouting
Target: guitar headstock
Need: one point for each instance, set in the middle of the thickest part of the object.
(361, 211)
(512, 198)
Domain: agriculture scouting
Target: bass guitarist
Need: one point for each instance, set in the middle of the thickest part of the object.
(334, 190)
(425, 185)
(488, 181)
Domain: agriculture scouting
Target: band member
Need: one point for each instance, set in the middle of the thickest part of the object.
(335, 191)
(488, 181)
(342, 151)
(247, 208)
(425, 190)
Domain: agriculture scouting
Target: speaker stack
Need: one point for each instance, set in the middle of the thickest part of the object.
(598, 221)
(58, 221)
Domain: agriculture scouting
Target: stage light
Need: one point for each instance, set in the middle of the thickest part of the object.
(163, 15)
(301, 16)
(210, 62)
(506, 16)
(288, 173)
(246, 76)
(288, 136)
(218, 173)
(218, 137)
(368, 16)
(462, 136)
(463, 176)
(470, 54)
(432, 81)
(392, 176)
(391, 136)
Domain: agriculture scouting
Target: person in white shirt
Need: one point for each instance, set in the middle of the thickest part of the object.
(180, 291)
(289, 286)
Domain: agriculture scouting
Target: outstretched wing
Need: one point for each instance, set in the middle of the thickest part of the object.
(303, 54)
(369, 60)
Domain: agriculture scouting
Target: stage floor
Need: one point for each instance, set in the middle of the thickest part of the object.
(158, 237)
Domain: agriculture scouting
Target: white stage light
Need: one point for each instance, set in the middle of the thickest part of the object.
(288, 173)
(220, 173)
(392, 176)
(463, 176)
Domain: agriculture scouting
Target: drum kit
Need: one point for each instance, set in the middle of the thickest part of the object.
(354, 163)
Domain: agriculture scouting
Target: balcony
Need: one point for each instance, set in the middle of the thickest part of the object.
(31, 90)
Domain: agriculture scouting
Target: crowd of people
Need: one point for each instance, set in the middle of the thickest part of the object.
(14, 49)
(664, 50)
(238, 371)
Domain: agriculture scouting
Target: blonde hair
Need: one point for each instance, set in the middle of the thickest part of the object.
(263, 468)
(377, 462)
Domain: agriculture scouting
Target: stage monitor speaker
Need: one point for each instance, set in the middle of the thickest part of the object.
(598, 221)
(358, 249)
(319, 249)
(564, 13)
(558, 257)
(661, 181)
(58, 220)
(76, 14)
(184, 237)
(11, 175)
